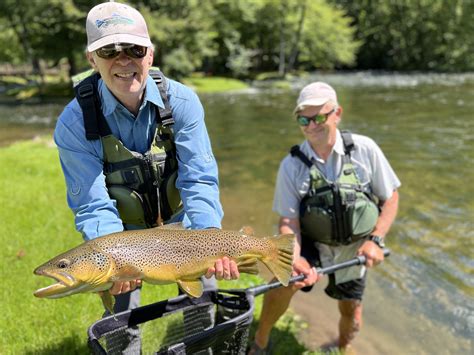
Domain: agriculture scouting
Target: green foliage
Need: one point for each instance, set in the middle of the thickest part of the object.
(282, 35)
(414, 35)
(182, 32)
(48, 30)
(243, 38)
(179, 63)
(217, 36)
(328, 38)
(240, 59)
(10, 49)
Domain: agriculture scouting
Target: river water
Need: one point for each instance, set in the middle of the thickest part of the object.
(420, 300)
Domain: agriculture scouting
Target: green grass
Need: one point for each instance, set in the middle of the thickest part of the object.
(36, 225)
(213, 84)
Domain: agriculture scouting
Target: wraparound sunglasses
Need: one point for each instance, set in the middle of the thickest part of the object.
(319, 118)
(131, 50)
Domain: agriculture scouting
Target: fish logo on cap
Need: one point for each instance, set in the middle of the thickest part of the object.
(115, 19)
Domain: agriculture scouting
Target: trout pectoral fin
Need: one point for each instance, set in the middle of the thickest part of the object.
(248, 265)
(192, 288)
(108, 300)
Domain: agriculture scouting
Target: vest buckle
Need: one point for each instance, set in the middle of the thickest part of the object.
(85, 90)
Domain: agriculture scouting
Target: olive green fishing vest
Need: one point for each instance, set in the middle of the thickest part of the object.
(340, 212)
(143, 185)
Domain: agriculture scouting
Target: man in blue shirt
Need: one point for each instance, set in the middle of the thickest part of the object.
(120, 50)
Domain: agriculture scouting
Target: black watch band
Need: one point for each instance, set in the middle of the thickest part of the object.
(377, 240)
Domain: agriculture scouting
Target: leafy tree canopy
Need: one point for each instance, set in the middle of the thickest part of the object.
(244, 37)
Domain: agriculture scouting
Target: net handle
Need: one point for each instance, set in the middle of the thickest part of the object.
(358, 260)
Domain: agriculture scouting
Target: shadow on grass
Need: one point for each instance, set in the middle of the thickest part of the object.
(71, 345)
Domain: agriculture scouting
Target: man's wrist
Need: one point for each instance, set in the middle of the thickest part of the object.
(377, 240)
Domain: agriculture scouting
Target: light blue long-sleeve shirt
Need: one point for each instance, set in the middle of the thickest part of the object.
(82, 160)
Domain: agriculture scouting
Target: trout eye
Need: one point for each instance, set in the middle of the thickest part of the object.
(63, 263)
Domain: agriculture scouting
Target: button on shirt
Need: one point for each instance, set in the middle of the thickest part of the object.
(82, 160)
(372, 168)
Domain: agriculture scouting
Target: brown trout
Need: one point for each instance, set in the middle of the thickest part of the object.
(161, 255)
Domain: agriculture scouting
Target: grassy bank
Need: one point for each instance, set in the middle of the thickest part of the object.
(209, 84)
(37, 225)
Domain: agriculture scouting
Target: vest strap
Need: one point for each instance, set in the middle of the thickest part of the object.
(87, 96)
(348, 142)
(296, 152)
(124, 164)
(164, 113)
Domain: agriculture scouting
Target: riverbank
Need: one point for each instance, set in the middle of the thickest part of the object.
(57, 86)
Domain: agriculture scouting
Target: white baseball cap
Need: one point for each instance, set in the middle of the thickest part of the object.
(113, 23)
(315, 94)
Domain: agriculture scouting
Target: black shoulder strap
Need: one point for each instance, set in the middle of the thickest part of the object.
(348, 146)
(165, 114)
(88, 98)
(348, 142)
(296, 152)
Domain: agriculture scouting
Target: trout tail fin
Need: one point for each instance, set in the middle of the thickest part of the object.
(280, 260)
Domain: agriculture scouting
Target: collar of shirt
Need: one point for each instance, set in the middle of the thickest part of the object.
(332, 166)
(338, 149)
(110, 103)
(136, 133)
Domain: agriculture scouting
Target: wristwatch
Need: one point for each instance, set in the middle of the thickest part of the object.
(377, 240)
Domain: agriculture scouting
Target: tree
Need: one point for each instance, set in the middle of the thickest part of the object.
(48, 30)
(327, 39)
(182, 31)
(413, 35)
(282, 35)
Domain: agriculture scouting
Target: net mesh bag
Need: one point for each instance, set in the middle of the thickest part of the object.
(216, 323)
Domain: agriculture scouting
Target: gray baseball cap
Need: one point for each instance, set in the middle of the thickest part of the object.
(315, 94)
(113, 22)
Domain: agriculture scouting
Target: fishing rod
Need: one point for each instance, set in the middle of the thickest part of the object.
(358, 260)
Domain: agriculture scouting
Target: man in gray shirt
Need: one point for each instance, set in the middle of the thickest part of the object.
(338, 194)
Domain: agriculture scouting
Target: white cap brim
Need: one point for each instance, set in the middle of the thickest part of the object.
(310, 102)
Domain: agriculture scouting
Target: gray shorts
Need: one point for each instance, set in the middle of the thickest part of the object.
(349, 290)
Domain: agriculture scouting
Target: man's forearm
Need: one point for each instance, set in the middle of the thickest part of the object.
(387, 215)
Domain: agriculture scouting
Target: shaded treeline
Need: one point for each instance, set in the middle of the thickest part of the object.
(243, 37)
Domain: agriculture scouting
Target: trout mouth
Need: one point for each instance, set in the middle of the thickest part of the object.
(65, 285)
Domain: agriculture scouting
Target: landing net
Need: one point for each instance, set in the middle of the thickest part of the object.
(216, 323)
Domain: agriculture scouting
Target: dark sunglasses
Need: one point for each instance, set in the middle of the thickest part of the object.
(319, 118)
(131, 50)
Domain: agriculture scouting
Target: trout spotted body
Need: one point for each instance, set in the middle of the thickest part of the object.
(160, 256)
